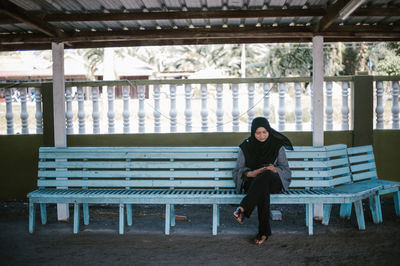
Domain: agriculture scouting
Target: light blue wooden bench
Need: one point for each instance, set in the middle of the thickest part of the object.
(179, 175)
(364, 173)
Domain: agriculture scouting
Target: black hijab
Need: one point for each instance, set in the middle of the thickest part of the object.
(258, 154)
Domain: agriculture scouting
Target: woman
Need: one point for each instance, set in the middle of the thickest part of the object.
(262, 169)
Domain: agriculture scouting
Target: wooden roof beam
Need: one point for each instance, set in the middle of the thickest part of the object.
(334, 12)
(21, 15)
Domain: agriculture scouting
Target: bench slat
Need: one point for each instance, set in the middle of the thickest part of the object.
(94, 155)
(135, 183)
(361, 158)
(138, 164)
(363, 167)
(137, 174)
(364, 175)
(360, 149)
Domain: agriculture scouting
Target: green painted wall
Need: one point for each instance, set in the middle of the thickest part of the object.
(19, 153)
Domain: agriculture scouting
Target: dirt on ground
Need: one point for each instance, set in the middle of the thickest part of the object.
(191, 242)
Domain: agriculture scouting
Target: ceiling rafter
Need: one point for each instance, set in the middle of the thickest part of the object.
(135, 16)
(21, 15)
(333, 12)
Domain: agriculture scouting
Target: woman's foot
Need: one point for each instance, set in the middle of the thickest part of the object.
(260, 239)
(238, 214)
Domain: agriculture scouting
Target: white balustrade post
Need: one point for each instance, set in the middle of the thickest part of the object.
(172, 111)
(39, 113)
(266, 110)
(188, 107)
(281, 109)
(251, 112)
(298, 111)
(81, 110)
(9, 112)
(24, 112)
(329, 107)
(235, 107)
(379, 105)
(69, 114)
(312, 105)
(345, 106)
(395, 105)
(96, 113)
(220, 110)
(125, 112)
(141, 113)
(204, 110)
(110, 113)
(157, 112)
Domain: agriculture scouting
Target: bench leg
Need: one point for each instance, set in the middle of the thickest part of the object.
(43, 213)
(172, 215)
(396, 198)
(167, 218)
(307, 214)
(85, 208)
(121, 218)
(360, 214)
(76, 218)
(218, 224)
(345, 210)
(31, 217)
(374, 203)
(129, 214)
(215, 220)
(310, 218)
(327, 214)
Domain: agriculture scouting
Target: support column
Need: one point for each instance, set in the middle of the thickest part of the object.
(318, 102)
(60, 134)
(362, 99)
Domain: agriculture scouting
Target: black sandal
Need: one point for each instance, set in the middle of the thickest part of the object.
(238, 215)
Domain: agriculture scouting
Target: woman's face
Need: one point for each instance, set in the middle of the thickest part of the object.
(261, 134)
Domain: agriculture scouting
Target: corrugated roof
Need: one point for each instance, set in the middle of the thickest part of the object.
(35, 24)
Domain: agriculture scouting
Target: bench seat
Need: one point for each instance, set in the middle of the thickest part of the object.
(364, 174)
(182, 175)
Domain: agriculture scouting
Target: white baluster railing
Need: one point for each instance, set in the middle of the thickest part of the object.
(235, 107)
(24, 112)
(141, 113)
(266, 110)
(188, 107)
(250, 112)
(157, 111)
(125, 112)
(110, 113)
(281, 109)
(379, 105)
(172, 110)
(96, 112)
(345, 106)
(9, 111)
(220, 110)
(329, 107)
(298, 109)
(204, 110)
(196, 110)
(69, 114)
(38, 113)
(395, 105)
(81, 111)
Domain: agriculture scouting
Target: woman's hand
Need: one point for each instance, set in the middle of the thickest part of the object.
(254, 173)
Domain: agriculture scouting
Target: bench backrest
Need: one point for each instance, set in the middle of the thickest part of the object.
(362, 163)
(137, 167)
(178, 167)
(318, 167)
